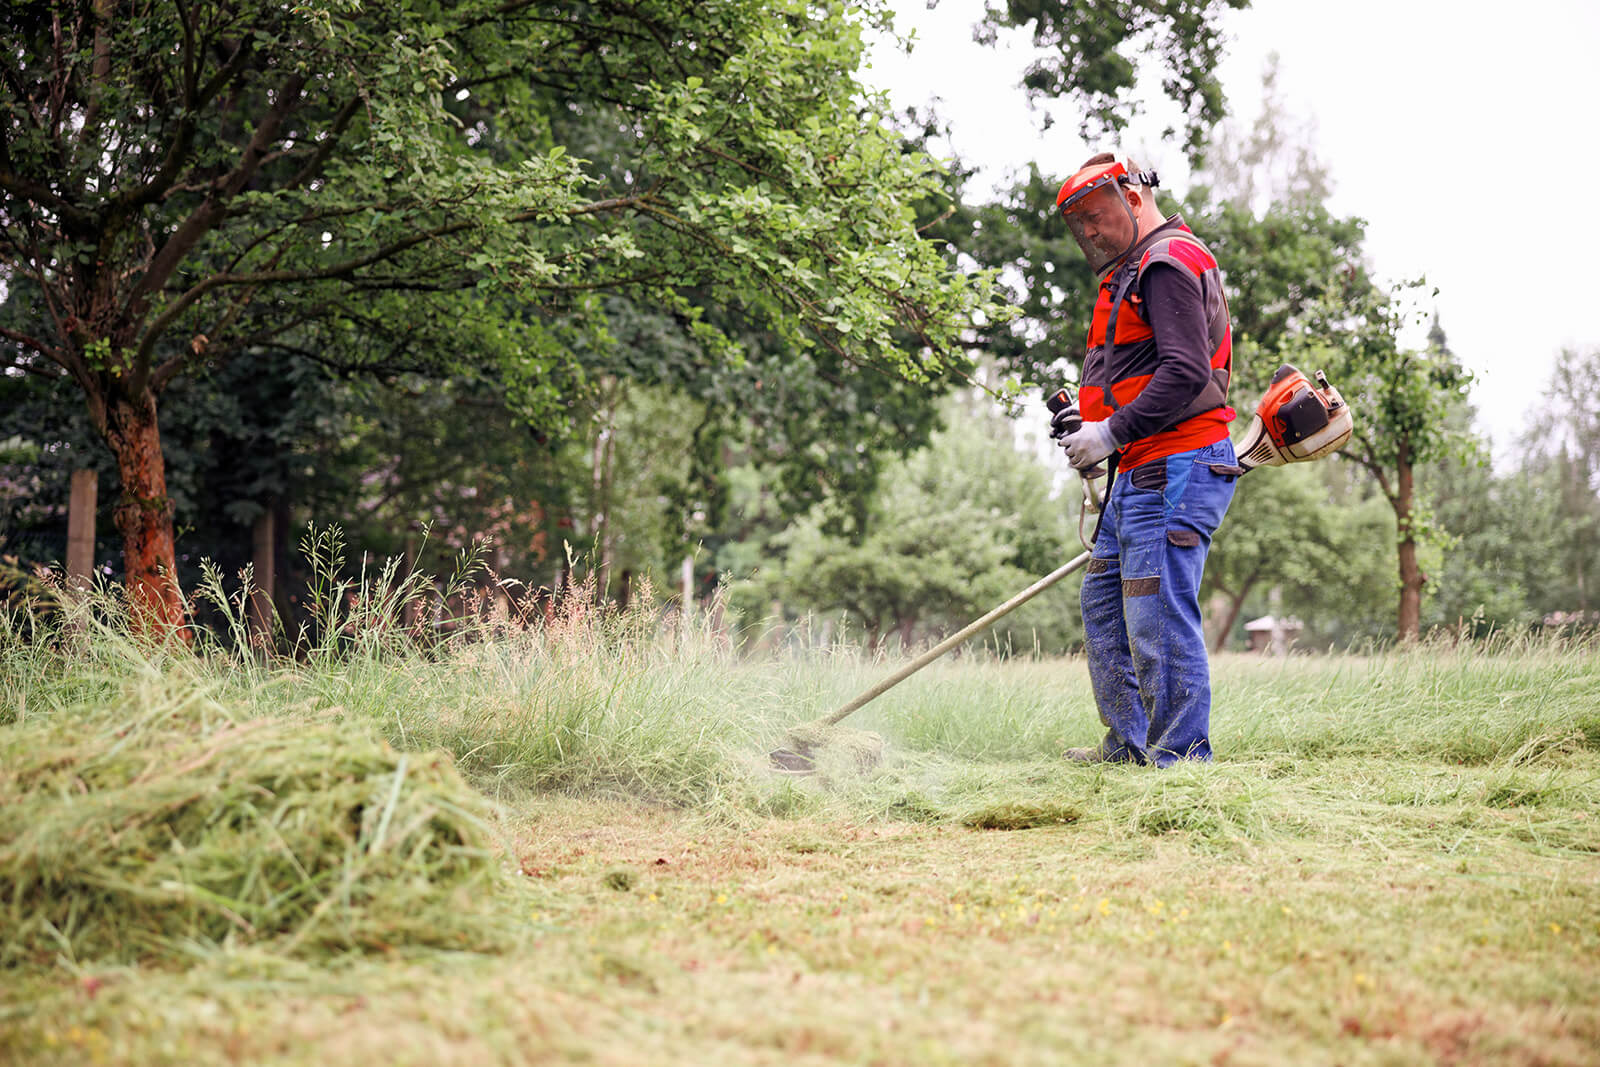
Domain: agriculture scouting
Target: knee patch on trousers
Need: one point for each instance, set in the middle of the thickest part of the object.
(1141, 586)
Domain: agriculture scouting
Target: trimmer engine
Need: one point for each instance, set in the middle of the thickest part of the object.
(1295, 422)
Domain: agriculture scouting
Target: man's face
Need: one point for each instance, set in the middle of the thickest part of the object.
(1103, 225)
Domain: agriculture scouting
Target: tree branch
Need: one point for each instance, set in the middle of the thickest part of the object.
(38, 193)
(340, 270)
(201, 220)
(325, 147)
(49, 352)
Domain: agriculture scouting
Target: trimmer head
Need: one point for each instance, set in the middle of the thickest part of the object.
(1295, 422)
(824, 747)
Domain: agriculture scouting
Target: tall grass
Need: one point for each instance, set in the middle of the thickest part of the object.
(157, 795)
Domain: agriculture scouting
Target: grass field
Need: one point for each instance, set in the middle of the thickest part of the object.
(567, 846)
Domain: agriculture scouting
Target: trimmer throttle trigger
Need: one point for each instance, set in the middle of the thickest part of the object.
(1064, 416)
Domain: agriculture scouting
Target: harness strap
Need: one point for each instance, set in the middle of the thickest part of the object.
(1127, 276)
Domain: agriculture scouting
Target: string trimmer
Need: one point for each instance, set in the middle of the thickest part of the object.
(1295, 422)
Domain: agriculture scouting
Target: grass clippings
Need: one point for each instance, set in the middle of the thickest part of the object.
(157, 838)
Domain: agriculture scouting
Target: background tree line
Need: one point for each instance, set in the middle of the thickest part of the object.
(622, 284)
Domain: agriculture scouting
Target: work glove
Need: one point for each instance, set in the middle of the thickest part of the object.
(1089, 445)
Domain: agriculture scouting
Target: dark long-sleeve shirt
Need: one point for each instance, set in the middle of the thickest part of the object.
(1174, 309)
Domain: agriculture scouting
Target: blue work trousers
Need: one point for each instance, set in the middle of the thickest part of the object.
(1141, 605)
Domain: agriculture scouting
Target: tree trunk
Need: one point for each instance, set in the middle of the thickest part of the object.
(1580, 500)
(1235, 605)
(605, 461)
(144, 514)
(80, 528)
(263, 557)
(283, 571)
(1411, 576)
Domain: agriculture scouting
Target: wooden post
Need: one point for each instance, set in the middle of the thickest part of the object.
(80, 528)
(263, 551)
(1279, 644)
(687, 608)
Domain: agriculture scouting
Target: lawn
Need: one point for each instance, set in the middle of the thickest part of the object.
(566, 845)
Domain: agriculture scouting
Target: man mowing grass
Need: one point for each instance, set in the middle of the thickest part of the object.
(1154, 403)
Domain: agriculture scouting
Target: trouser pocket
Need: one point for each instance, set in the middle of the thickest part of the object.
(1151, 477)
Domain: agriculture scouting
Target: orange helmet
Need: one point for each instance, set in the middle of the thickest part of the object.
(1089, 202)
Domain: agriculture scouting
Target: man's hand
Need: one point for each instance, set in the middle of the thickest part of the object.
(1089, 445)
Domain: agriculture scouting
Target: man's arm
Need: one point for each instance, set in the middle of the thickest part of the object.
(1175, 310)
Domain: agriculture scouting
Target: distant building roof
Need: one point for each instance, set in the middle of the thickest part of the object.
(1266, 622)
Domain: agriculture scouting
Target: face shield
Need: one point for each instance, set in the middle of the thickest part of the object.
(1098, 213)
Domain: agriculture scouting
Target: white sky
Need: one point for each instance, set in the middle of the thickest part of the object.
(1465, 134)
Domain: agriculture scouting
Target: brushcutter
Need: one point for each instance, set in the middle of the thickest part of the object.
(1294, 423)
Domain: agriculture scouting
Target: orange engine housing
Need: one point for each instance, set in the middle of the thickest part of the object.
(1295, 422)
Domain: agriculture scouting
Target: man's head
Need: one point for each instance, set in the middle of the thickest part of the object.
(1109, 204)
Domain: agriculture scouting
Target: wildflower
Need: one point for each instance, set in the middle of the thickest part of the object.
(722, 898)
(1555, 928)
(1105, 906)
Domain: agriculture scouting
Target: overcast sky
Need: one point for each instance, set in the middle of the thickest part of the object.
(1464, 133)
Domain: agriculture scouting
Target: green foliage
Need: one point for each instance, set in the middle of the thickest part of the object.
(1042, 274)
(953, 531)
(1561, 450)
(389, 189)
(1283, 530)
(1500, 548)
(1096, 56)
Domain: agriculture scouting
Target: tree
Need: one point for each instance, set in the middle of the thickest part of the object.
(194, 183)
(1096, 56)
(953, 530)
(1501, 543)
(1300, 292)
(1563, 454)
(1279, 532)
(1403, 401)
(1041, 273)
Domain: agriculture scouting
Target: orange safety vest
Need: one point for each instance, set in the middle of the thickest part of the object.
(1122, 355)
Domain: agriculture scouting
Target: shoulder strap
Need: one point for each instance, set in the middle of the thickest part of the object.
(1127, 277)
(1215, 393)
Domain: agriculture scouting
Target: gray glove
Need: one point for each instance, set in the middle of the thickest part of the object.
(1089, 445)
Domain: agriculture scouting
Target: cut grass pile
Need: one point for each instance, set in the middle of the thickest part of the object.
(168, 826)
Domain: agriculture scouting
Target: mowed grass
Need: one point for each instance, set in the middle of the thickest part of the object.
(1394, 859)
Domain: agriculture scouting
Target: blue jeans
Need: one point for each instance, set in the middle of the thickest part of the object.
(1141, 606)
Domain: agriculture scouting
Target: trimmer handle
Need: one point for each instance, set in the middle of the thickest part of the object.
(1065, 418)
(1064, 415)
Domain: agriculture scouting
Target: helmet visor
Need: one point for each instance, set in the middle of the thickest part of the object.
(1102, 222)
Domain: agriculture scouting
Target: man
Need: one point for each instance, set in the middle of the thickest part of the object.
(1153, 397)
